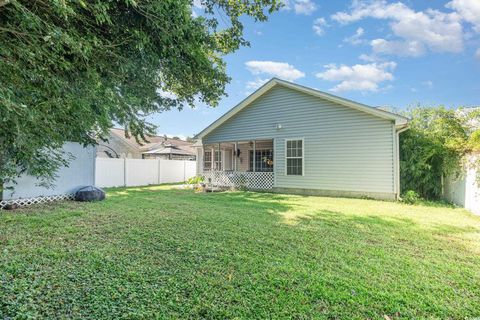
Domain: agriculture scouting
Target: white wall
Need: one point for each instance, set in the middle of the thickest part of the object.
(140, 172)
(79, 173)
(464, 191)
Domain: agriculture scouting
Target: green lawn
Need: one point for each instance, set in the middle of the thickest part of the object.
(159, 252)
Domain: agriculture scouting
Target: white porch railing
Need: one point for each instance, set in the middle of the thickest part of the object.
(237, 179)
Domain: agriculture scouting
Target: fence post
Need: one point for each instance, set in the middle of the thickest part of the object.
(184, 170)
(158, 170)
(124, 172)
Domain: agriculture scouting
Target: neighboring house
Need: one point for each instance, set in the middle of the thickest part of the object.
(157, 147)
(290, 138)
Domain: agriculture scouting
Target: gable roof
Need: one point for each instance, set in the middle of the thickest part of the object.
(400, 121)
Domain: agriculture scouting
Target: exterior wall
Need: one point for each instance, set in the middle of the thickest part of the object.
(464, 191)
(345, 149)
(79, 173)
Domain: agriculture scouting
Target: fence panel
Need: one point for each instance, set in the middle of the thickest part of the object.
(464, 190)
(172, 171)
(140, 172)
(78, 173)
(109, 172)
(190, 169)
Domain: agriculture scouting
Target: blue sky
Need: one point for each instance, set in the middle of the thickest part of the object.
(377, 52)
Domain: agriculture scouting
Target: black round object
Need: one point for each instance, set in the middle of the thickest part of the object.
(90, 193)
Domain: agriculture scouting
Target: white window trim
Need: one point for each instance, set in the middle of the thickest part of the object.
(303, 156)
(205, 160)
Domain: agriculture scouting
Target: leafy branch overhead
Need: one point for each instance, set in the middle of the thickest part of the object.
(70, 69)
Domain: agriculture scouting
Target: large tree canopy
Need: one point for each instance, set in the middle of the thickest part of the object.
(435, 147)
(69, 69)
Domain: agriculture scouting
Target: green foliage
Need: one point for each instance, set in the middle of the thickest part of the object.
(196, 180)
(410, 197)
(435, 146)
(70, 69)
(163, 253)
(474, 141)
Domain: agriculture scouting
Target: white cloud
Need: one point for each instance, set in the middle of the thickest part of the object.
(255, 84)
(356, 39)
(359, 77)
(428, 84)
(469, 10)
(166, 94)
(306, 7)
(400, 48)
(198, 4)
(368, 57)
(319, 25)
(477, 54)
(432, 29)
(276, 69)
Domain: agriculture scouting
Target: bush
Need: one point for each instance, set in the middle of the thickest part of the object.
(435, 147)
(411, 197)
(196, 180)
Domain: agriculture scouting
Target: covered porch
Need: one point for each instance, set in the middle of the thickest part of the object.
(239, 164)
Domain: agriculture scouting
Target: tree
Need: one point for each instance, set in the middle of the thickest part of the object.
(70, 69)
(435, 147)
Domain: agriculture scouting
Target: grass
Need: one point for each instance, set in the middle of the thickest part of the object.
(159, 252)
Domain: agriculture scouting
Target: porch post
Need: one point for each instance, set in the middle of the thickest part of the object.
(220, 159)
(235, 155)
(212, 158)
(254, 155)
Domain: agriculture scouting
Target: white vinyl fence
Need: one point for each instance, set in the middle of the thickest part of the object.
(79, 173)
(465, 190)
(141, 172)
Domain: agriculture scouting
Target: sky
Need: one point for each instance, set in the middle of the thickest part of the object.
(395, 54)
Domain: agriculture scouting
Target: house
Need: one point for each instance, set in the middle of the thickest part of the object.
(289, 138)
(157, 147)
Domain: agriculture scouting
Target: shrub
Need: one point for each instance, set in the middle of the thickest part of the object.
(196, 180)
(435, 147)
(410, 197)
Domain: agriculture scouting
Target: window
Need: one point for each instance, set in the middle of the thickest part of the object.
(218, 160)
(207, 160)
(263, 160)
(294, 158)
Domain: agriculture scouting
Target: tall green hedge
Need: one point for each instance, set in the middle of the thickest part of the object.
(435, 146)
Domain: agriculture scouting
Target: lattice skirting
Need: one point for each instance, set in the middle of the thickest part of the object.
(234, 179)
(36, 200)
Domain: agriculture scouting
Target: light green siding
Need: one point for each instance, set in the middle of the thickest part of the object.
(345, 149)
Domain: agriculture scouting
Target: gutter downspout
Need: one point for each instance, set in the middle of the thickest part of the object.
(397, 161)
